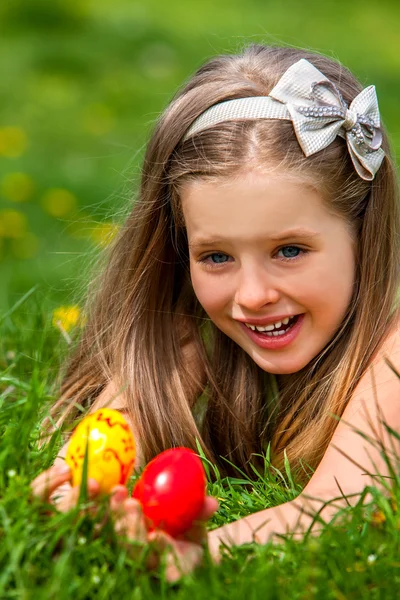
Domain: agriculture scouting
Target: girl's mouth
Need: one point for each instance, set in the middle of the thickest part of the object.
(277, 339)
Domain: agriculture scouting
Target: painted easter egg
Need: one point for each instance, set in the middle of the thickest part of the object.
(171, 491)
(111, 450)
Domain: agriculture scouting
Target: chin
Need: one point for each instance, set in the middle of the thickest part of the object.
(280, 366)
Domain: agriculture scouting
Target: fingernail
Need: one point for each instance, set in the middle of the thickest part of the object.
(135, 504)
(62, 468)
(119, 495)
(93, 486)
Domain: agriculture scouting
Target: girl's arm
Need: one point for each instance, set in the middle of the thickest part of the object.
(349, 460)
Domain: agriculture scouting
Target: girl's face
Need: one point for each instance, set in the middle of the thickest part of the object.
(242, 273)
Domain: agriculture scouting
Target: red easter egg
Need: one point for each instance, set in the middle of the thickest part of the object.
(172, 491)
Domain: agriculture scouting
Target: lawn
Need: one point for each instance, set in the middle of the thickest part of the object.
(47, 554)
(82, 85)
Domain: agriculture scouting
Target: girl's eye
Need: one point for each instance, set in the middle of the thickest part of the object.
(215, 259)
(291, 253)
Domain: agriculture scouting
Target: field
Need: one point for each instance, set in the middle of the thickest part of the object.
(47, 554)
(82, 86)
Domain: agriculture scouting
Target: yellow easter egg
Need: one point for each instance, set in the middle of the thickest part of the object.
(111, 451)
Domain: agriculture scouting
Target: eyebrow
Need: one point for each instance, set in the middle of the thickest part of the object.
(298, 232)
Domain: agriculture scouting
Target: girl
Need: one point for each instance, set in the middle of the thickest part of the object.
(258, 273)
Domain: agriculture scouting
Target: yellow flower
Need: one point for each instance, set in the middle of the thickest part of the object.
(377, 517)
(80, 225)
(13, 224)
(13, 141)
(58, 202)
(17, 187)
(67, 316)
(103, 233)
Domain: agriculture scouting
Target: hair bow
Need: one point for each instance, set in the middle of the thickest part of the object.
(319, 114)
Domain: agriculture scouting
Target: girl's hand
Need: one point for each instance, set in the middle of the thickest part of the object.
(182, 555)
(55, 481)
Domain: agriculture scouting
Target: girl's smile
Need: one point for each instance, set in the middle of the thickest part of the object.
(279, 334)
(263, 248)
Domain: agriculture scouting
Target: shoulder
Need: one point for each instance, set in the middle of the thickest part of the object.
(355, 450)
(376, 400)
(381, 371)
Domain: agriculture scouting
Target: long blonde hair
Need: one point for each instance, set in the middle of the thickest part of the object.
(142, 311)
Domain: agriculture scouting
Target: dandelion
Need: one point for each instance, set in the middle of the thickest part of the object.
(11, 473)
(96, 579)
(82, 541)
(13, 141)
(377, 517)
(371, 558)
(13, 224)
(67, 317)
(81, 226)
(104, 233)
(17, 187)
(58, 202)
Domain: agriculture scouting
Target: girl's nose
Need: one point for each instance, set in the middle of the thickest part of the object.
(255, 290)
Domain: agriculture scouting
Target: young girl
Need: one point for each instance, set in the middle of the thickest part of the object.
(257, 273)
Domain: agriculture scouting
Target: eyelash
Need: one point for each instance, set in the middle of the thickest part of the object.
(212, 265)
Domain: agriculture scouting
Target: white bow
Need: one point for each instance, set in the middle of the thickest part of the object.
(319, 114)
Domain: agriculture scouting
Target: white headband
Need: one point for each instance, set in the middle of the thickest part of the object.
(318, 112)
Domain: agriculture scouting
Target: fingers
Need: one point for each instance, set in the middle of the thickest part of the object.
(119, 493)
(70, 499)
(198, 532)
(210, 506)
(180, 557)
(128, 516)
(129, 522)
(48, 481)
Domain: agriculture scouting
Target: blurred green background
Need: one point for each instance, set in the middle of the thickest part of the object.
(82, 83)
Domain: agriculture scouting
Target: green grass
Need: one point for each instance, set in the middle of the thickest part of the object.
(47, 554)
(83, 82)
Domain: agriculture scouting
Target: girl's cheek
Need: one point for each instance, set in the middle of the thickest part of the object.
(210, 295)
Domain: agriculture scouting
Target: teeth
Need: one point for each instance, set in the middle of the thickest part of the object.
(270, 327)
